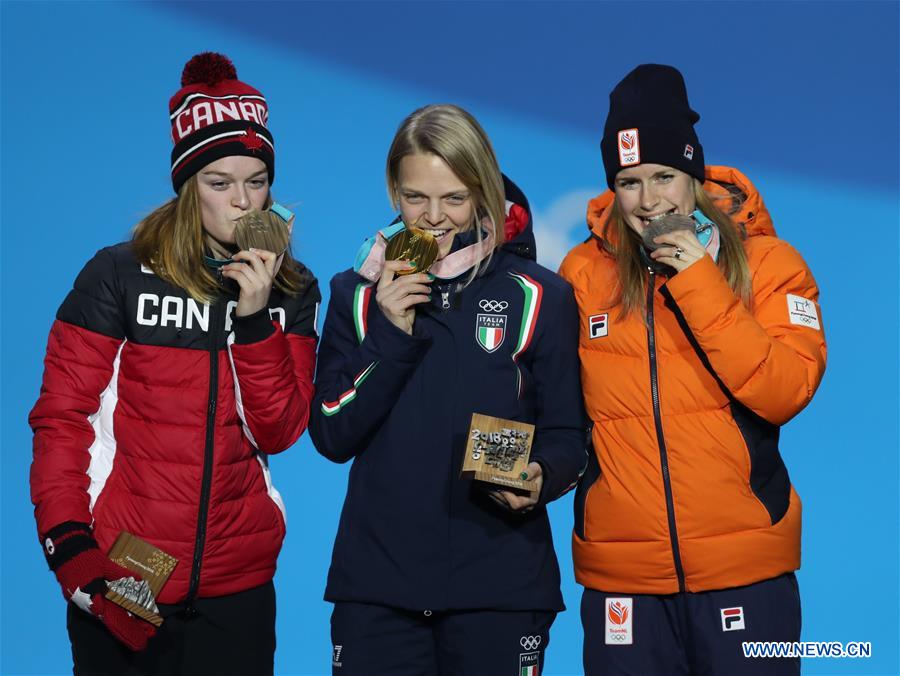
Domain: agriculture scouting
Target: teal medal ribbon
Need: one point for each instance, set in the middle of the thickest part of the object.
(707, 232)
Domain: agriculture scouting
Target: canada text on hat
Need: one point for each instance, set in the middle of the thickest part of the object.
(200, 110)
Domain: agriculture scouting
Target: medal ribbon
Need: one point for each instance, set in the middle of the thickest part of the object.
(708, 233)
(370, 259)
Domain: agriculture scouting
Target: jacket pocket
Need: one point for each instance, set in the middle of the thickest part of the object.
(273, 493)
(769, 480)
(591, 474)
(100, 490)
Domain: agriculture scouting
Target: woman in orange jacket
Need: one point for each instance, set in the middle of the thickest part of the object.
(700, 336)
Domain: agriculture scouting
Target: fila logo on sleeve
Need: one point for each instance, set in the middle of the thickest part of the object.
(732, 618)
(598, 325)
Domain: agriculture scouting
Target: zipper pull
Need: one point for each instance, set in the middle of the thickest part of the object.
(445, 299)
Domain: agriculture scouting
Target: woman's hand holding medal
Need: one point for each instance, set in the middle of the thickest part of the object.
(259, 234)
(400, 290)
(253, 270)
(673, 241)
(405, 280)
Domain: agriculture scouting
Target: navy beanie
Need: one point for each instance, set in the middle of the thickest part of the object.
(650, 121)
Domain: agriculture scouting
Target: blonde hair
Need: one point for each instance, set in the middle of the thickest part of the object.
(451, 133)
(171, 241)
(632, 280)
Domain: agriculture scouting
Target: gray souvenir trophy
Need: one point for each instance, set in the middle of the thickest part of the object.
(498, 451)
(153, 566)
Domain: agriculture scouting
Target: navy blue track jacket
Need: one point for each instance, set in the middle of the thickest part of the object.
(412, 533)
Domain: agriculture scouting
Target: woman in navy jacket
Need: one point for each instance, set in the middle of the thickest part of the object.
(432, 573)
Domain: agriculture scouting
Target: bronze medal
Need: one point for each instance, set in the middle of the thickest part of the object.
(415, 245)
(262, 230)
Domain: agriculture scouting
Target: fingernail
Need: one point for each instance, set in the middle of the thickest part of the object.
(430, 276)
(523, 475)
(251, 249)
(411, 264)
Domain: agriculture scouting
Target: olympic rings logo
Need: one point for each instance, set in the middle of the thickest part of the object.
(493, 305)
(530, 642)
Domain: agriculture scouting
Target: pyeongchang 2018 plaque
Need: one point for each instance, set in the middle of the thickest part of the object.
(498, 451)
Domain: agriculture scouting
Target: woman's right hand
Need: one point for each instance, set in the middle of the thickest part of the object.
(398, 296)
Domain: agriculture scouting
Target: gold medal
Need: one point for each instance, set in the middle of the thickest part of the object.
(262, 230)
(415, 245)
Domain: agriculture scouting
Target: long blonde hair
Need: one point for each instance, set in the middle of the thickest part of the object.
(451, 133)
(170, 240)
(632, 277)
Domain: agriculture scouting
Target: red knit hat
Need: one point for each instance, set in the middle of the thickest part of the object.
(215, 115)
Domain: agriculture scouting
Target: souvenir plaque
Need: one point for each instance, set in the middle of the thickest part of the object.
(265, 230)
(498, 451)
(152, 564)
(412, 244)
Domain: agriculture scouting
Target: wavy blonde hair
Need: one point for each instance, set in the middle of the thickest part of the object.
(170, 240)
(451, 133)
(632, 277)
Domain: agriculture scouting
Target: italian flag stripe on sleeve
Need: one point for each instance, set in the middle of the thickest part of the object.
(361, 309)
(331, 407)
(534, 292)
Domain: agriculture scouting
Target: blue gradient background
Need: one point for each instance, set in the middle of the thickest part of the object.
(803, 97)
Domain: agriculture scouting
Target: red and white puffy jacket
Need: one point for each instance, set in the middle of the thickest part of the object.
(156, 415)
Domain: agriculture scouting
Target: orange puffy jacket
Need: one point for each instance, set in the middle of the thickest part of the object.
(687, 490)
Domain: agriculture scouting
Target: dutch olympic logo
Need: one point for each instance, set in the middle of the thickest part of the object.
(493, 305)
(530, 642)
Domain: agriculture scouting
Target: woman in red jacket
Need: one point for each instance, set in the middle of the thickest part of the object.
(700, 336)
(175, 366)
